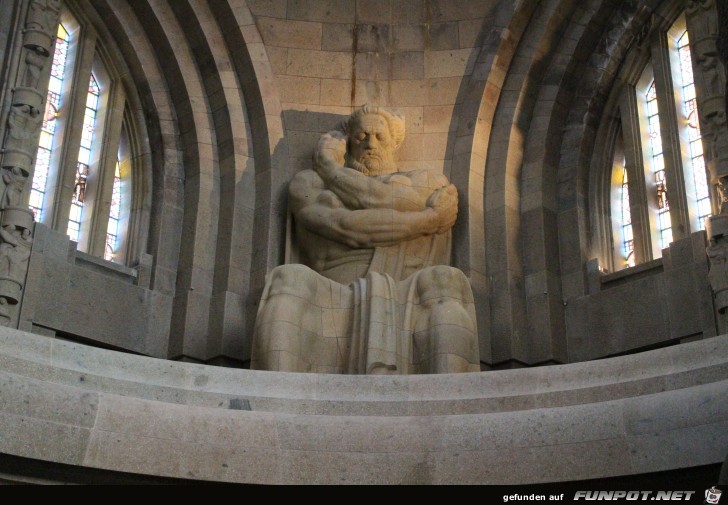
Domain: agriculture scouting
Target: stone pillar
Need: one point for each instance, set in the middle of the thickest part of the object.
(722, 44)
(710, 84)
(18, 151)
(706, 23)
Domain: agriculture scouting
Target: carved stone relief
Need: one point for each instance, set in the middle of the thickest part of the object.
(710, 80)
(23, 128)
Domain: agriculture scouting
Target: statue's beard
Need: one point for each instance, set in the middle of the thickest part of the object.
(373, 165)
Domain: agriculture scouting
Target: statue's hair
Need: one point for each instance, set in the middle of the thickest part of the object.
(395, 122)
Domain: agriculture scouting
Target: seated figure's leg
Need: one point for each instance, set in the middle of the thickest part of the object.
(445, 336)
(279, 325)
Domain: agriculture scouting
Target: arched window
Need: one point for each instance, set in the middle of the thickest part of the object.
(660, 142)
(77, 182)
(699, 189)
(84, 159)
(622, 215)
(112, 229)
(655, 161)
(48, 129)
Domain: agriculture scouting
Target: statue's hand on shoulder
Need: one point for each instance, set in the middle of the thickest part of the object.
(331, 149)
(444, 201)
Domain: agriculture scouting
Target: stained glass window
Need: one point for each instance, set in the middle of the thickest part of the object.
(48, 128)
(73, 139)
(112, 231)
(626, 220)
(84, 159)
(695, 144)
(667, 147)
(657, 159)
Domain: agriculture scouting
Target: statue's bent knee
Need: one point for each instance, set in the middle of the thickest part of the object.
(446, 340)
(442, 281)
(295, 280)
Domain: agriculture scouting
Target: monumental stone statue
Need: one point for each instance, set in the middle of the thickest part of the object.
(373, 293)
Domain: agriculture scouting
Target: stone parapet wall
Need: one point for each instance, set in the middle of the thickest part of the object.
(72, 293)
(648, 412)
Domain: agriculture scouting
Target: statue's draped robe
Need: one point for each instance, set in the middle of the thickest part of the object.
(376, 324)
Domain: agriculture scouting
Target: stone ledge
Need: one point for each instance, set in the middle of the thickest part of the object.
(61, 354)
(621, 416)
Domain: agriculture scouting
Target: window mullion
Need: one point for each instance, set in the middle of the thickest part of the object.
(635, 172)
(676, 191)
(60, 205)
(108, 157)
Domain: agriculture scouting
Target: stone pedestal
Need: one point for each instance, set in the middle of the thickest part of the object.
(717, 228)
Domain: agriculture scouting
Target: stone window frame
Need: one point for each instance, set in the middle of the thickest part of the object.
(622, 136)
(114, 139)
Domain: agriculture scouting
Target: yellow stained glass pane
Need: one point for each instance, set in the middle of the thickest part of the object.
(62, 33)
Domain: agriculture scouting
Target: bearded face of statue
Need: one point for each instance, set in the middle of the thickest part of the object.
(371, 148)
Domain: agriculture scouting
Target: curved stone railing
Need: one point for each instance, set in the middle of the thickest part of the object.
(64, 402)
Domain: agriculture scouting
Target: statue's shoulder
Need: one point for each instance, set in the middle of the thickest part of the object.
(305, 180)
(304, 189)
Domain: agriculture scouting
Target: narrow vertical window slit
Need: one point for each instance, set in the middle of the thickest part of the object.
(695, 144)
(48, 128)
(84, 160)
(657, 159)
